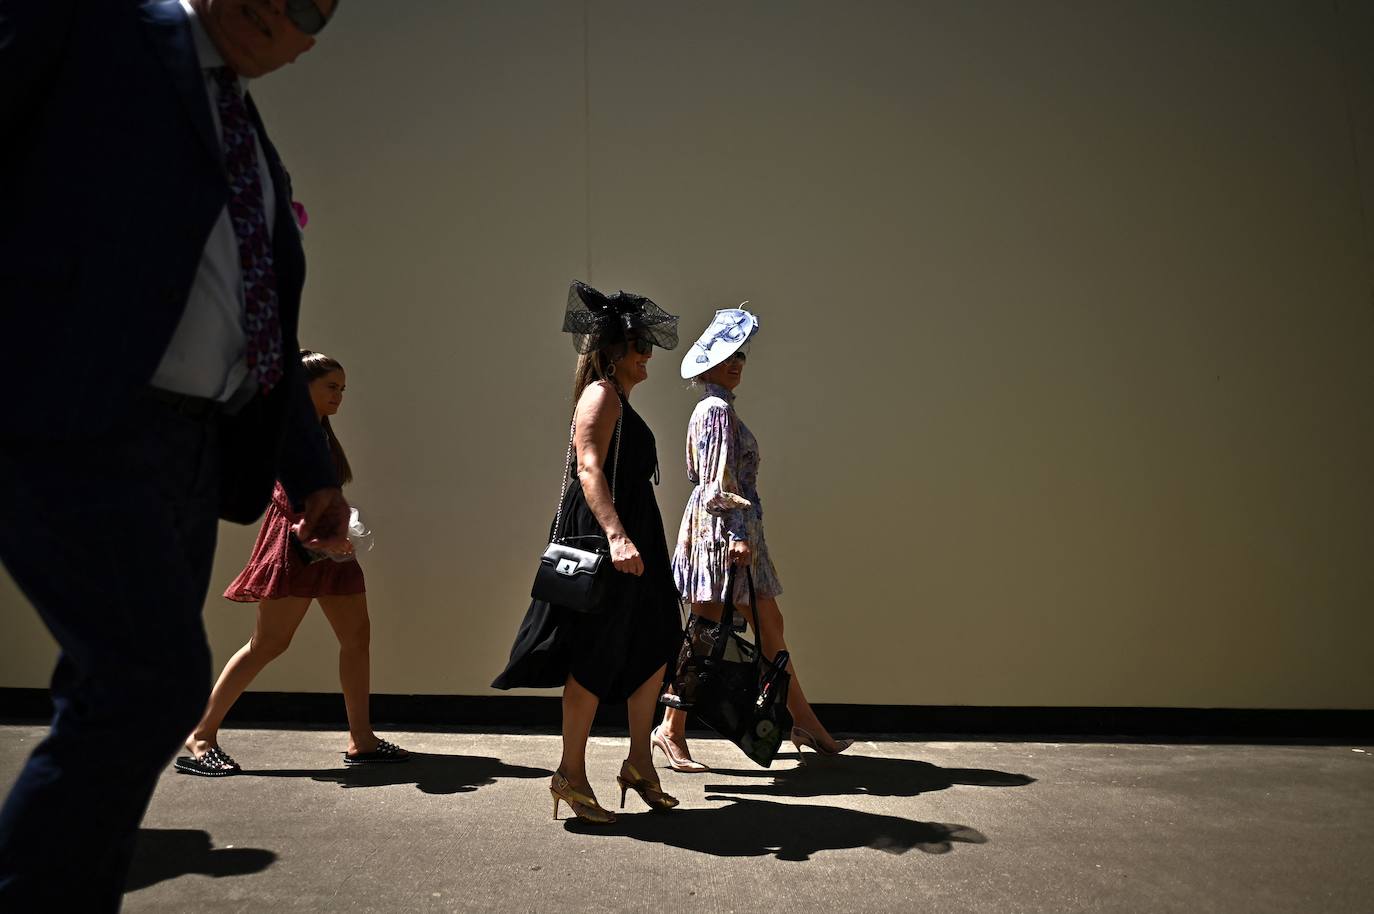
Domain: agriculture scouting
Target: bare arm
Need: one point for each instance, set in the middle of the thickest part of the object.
(595, 420)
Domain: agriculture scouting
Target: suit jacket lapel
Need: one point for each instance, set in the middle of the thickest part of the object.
(169, 31)
(288, 254)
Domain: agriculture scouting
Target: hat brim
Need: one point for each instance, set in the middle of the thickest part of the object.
(730, 329)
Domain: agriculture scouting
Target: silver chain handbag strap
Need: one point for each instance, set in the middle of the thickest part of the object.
(567, 472)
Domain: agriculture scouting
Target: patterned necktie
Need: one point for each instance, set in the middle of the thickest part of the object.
(249, 215)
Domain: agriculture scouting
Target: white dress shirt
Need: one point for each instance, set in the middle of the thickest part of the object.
(206, 355)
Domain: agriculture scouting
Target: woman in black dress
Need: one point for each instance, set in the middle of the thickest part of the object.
(619, 652)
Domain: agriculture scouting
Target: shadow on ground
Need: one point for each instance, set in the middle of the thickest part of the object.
(788, 831)
(862, 775)
(166, 853)
(430, 772)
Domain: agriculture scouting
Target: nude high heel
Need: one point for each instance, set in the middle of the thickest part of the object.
(687, 765)
(802, 737)
(649, 791)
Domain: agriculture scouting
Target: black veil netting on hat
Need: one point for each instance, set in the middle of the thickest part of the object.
(597, 320)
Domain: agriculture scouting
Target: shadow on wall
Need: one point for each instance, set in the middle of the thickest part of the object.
(788, 831)
(432, 773)
(166, 853)
(865, 775)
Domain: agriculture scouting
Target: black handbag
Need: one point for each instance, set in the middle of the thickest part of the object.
(724, 680)
(574, 571)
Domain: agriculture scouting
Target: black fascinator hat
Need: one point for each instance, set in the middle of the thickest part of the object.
(597, 320)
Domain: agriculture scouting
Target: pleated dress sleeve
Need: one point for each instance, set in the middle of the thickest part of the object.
(718, 462)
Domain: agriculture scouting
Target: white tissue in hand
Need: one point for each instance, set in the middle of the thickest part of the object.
(359, 534)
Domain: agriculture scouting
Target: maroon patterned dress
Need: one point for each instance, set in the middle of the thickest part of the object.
(277, 570)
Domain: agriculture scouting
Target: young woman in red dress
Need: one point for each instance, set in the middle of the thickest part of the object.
(283, 580)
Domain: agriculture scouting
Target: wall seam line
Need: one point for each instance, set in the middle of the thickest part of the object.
(587, 131)
(1353, 131)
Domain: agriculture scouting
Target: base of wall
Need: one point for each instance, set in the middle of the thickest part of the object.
(538, 713)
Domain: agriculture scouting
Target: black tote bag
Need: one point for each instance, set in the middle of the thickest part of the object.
(724, 680)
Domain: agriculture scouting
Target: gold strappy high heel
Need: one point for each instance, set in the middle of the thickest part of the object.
(584, 807)
(649, 791)
(802, 737)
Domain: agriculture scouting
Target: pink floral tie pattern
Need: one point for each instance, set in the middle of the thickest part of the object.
(248, 213)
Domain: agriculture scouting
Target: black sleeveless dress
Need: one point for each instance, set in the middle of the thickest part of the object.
(610, 653)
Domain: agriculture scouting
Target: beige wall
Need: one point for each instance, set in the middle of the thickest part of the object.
(1064, 382)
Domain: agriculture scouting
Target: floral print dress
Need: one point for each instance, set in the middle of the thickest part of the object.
(723, 466)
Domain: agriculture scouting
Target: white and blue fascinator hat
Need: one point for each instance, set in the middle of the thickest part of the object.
(730, 329)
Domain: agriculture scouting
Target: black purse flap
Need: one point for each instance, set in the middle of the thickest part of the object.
(569, 560)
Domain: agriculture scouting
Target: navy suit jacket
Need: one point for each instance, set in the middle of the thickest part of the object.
(111, 178)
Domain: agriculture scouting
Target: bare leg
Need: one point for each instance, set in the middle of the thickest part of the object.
(348, 617)
(277, 623)
(579, 709)
(640, 710)
(770, 634)
(674, 731)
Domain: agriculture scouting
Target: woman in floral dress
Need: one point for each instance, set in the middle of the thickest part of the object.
(723, 524)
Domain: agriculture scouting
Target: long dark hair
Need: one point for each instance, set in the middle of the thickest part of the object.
(317, 365)
(597, 365)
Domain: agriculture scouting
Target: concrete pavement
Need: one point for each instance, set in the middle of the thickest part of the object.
(896, 826)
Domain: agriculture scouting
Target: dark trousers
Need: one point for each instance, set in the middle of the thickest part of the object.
(112, 541)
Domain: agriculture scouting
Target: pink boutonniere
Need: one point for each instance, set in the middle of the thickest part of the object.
(301, 216)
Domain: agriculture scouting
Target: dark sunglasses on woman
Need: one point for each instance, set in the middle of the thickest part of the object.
(308, 17)
(641, 345)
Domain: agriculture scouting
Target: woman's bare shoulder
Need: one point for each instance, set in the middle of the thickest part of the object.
(599, 402)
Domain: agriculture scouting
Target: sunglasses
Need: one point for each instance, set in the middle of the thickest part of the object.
(641, 345)
(307, 16)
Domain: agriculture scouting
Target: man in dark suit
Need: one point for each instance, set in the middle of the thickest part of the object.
(150, 281)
